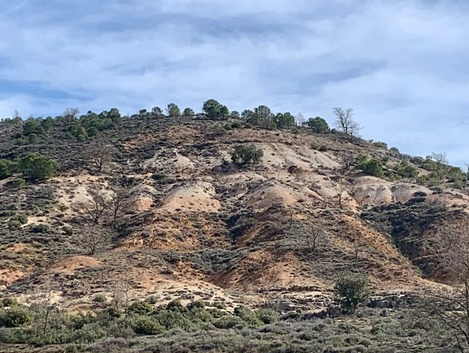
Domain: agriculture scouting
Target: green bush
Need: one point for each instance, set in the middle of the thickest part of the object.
(40, 228)
(7, 168)
(18, 183)
(248, 316)
(33, 139)
(140, 308)
(372, 167)
(22, 218)
(247, 154)
(380, 144)
(228, 322)
(100, 298)
(351, 291)
(14, 316)
(429, 164)
(406, 170)
(144, 325)
(267, 316)
(9, 302)
(173, 319)
(37, 167)
(14, 224)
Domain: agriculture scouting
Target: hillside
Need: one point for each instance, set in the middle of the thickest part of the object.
(154, 207)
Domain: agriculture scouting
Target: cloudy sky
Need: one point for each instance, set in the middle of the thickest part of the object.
(403, 66)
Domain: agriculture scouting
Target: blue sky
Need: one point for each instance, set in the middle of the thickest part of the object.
(403, 66)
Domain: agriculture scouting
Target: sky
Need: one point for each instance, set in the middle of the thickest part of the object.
(403, 66)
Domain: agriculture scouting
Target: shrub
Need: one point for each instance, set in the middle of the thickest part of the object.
(9, 302)
(407, 170)
(14, 317)
(22, 218)
(144, 325)
(247, 154)
(7, 168)
(228, 322)
(18, 183)
(350, 292)
(14, 224)
(100, 298)
(37, 167)
(33, 139)
(380, 144)
(248, 316)
(236, 125)
(152, 299)
(370, 166)
(141, 308)
(267, 316)
(40, 228)
(429, 164)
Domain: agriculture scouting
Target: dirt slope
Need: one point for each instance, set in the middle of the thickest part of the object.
(192, 222)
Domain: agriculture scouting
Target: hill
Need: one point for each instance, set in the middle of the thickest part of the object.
(153, 207)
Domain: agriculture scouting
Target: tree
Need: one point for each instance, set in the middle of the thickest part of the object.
(188, 112)
(318, 125)
(344, 121)
(95, 209)
(71, 113)
(173, 110)
(247, 114)
(157, 111)
(214, 109)
(37, 167)
(284, 120)
(118, 203)
(93, 239)
(101, 155)
(104, 208)
(29, 127)
(247, 154)
(350, 291)
(299, 119)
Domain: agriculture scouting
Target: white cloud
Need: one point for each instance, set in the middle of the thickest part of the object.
(402, 65)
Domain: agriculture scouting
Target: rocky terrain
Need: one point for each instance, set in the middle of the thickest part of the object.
(155, 208)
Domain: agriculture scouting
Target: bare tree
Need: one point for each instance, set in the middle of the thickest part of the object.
(95, 209)
(313, 238)
(91, 240)
(104, 207)
(299, 119)
(441, 160)
(118, 203)
(344, 121)
(447, 251)
(71, 113)
(101, 155)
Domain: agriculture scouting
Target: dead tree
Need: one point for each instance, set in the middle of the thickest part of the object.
(93, 239)
(95, 209)
(345, 123)
(313, 238)
(118, 202)
(101, 155)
